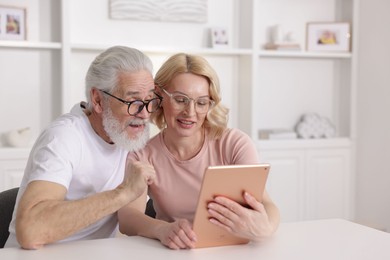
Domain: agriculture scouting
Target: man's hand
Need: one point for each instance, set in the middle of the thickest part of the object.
(138, 176)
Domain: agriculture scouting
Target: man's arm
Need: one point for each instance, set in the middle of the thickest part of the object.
(44, 217)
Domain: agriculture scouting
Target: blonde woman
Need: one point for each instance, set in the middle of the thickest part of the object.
(193, 135)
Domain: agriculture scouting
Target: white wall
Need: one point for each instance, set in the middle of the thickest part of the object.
(373, 115)
(25, 89)
(100, 29)
(373, 120)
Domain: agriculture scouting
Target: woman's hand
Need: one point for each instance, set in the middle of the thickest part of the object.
(177, 235)
(251, 223)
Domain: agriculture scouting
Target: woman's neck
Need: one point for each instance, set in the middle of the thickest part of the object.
(184, 148)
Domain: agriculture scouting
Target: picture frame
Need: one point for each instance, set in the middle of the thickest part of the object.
(219, 37)
(12, 23)
(328, 36)
(191, 11)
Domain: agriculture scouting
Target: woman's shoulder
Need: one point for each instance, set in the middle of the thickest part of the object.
(232, 137)
(235, 147)
(234, 133)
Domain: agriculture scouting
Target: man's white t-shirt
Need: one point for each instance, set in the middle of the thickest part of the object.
(70, 153)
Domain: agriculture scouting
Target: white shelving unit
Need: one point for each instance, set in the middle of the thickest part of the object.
(30, 45)
(31, 70)
(30, 82)
(262, 88)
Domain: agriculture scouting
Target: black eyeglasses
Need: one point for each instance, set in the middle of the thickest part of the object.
(136, 106)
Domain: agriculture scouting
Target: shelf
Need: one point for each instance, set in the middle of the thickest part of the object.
(305, 143)
(11, 153)
(31, 45)
(165, 50)
(304, 54)
(263, 89)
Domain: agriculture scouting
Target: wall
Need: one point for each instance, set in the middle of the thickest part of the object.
(25, 91)
(101, 29)
(373, 120)
(31, 89)
(147, 35)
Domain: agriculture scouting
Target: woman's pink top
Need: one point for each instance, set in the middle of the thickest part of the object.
(175, 191)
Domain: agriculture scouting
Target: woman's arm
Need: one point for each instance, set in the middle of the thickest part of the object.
(255, 223)
(272, 211)
(133, 221)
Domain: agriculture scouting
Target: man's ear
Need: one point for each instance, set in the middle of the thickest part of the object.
(97, 100)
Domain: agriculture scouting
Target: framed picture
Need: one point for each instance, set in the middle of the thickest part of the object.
(219, 37)
(328, 37)
(12, 23)
(193, 11)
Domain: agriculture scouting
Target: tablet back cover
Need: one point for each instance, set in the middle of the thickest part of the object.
(229, 181)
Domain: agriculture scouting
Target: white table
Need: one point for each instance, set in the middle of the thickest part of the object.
(321, 239)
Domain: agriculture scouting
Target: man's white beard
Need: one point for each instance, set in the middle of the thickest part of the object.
(120, 137)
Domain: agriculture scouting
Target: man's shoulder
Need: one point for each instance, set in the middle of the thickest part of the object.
(64, 123)
(67, 127)
(74, 119)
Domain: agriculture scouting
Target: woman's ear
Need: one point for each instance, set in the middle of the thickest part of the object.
(97, 100)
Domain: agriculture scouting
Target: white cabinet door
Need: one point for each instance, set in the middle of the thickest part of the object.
(328, 183)
(286, 182)
(12, 164)
(11, 173)
(310, 183)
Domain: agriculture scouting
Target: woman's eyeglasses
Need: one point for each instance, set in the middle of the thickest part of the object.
(181, 102)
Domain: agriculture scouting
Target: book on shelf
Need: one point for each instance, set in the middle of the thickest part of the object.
(283, 46)
(277, 134)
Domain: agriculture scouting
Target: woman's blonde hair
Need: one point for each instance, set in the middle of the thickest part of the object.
(217, 118)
